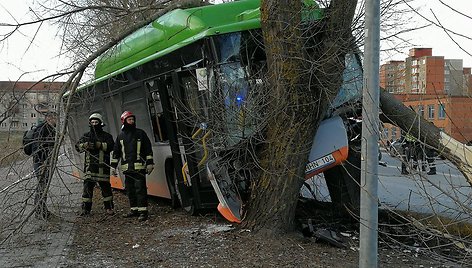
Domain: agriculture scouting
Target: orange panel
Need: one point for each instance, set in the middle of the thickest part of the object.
(116, 183)
(156, 189)
(226, 212)
(339, 157)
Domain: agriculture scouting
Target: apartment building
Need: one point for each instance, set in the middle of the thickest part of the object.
(436, 88)
(23, 104)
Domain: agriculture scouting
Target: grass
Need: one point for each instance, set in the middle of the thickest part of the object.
(11, 147)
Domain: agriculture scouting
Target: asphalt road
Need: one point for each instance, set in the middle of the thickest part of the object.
(446, 193)
(25, 240)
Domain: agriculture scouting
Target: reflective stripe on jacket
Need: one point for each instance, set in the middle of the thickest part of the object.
(133, 148)
(97, 159)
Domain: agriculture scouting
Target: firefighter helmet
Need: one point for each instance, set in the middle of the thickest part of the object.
(96, 116)
(125, 115)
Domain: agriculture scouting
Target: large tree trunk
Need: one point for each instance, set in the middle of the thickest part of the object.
(408, 120)
(273, 194)
(297, 105)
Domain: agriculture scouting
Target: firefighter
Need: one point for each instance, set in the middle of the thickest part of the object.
(97, 145)
(430, 156)
(408, 152)
(133, 149)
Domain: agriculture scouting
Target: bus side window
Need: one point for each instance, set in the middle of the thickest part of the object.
(157, 118)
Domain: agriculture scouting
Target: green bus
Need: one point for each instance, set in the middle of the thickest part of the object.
(190, 77)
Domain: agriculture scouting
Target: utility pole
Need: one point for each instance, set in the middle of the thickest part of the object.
(370, 137)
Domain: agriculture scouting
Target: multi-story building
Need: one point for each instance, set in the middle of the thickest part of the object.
(22, 104)
(468, 81)
(392, 76)
(436, 88)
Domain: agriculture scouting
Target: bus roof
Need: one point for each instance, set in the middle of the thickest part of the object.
(179, 28)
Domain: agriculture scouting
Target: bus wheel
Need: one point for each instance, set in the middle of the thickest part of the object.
(192, 210)
(172, 183)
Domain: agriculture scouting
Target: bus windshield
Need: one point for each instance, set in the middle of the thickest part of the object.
(239, 69)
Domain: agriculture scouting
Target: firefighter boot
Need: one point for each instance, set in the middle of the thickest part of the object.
(143, 216)
(131, 214)
(404, 170)
(432, 171)
(109, 207)
(86, 208)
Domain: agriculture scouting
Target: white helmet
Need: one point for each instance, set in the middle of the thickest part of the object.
(96, 116)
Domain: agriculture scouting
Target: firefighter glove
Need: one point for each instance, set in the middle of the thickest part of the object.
(89, 146)
(149, 169)
(98, 145)
(114, 172)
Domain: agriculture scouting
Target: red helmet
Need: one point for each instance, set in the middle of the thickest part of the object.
(125, 115)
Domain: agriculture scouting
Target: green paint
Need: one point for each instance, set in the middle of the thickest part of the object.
(180, 28)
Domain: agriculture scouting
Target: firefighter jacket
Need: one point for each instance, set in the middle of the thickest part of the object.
(97, 145)
(409, 138)
(133, 148)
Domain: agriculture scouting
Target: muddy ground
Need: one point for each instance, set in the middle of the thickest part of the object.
(172, 238)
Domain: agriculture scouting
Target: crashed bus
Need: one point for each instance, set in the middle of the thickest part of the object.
(180, 74)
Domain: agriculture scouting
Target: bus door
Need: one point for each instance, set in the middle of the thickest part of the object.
(169, 95)
(190, 98)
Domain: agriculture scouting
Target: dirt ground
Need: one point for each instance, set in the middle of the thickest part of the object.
(172, 238)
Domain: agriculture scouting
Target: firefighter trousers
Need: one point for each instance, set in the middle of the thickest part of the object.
(135, 184)
(87, 195)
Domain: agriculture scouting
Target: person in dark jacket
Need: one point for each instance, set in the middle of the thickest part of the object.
(97, 145)
(44, 139)
(133, 148)
(430, 156)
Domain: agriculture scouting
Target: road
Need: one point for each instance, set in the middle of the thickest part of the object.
(446, 193)
(26, 241)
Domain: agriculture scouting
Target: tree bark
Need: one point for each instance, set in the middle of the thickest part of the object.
(302, 85)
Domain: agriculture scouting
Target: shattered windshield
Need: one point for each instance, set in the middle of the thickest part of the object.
(232, 90)
(237, 84)
(351, 90)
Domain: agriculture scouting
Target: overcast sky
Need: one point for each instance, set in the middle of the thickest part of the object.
(39, 58)
(436, 38)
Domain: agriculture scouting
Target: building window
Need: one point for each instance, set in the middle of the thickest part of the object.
(421, 110)
(385, 133)
(441, 112)
(33, 115)
(25, 124)
(431, 111)
(394, 133)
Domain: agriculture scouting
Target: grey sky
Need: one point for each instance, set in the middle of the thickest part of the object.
(38, 59)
